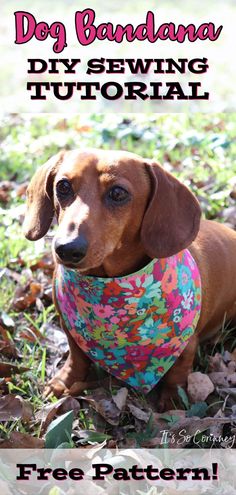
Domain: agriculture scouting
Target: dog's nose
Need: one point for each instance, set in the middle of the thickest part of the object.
(71, 251)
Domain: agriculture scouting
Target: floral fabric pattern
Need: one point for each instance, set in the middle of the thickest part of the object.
(135, 326)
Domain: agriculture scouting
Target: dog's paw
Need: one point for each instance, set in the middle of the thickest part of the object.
(65, 379)
(55, 387)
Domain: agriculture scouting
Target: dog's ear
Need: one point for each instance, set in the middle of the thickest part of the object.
(172, 218)
(39, 205)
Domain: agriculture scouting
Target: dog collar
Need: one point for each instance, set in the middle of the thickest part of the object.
(135, 326)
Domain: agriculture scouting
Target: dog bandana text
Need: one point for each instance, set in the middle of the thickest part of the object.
(134, 326)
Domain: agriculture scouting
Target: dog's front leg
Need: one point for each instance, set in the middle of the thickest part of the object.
(75, 369)
(177, 376)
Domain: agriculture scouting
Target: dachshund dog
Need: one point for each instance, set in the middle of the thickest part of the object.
(116, 212)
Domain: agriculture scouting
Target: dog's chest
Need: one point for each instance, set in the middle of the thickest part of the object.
(135, 326)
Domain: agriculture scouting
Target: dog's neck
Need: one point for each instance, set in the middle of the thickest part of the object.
(122, 261)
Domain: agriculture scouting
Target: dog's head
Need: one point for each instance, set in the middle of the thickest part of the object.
(111, 206)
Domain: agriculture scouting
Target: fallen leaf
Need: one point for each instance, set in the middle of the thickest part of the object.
(14, 407)
(7, 369)
(6, 321)
(227, 391)
(227, 356)
(32, 334)
(216, 363)
(26, 295)
(6, 272)
(120, 398)
(103, 404)
(8, 349)
(19, 440)
(219, 378)
(59, 431)
(217, 429)
(164, 420)
(199, 386)
(46, 263)
(21, 190)
(153, 443)
(93, 437)
(139, 413)
(193, 425)
(231, 367)
(47, 413)
(5, 188)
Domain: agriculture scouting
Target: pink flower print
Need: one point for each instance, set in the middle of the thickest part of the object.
(71, 315)
(83, 306)
(162, 351)
(139, 353)
(173, 301)
(120, 335)
(169, 281)
(131, 308)
(187, 320)
(172, 262)
(119, 316)
(115, 319)
(175, 344)
(103, 311)
(121, 312)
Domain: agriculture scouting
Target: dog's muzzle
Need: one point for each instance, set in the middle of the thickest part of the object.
(72, 251)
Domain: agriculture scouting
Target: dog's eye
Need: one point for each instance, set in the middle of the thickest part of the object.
(118, 194)
(64, 188)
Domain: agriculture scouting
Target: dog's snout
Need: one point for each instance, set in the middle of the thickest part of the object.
(71, 251)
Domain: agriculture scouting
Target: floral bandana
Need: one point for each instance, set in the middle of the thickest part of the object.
(135, 326)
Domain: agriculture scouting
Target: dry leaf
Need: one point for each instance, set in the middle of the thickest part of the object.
(32, 334)
(27, 295)
(217, 429)
(48, 413)
(199, 386)
(216, 363)
(14, 407)
(219, 378)
(120, 398)
(21, 189)
(45, 263)
(7, 346)
(19, 440)
(7, 369)
(139, 413)
(7, 322)
(103, 404)
(8, 349)
(5, 188)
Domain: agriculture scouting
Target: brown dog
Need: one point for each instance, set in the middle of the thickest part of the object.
(115, 211)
